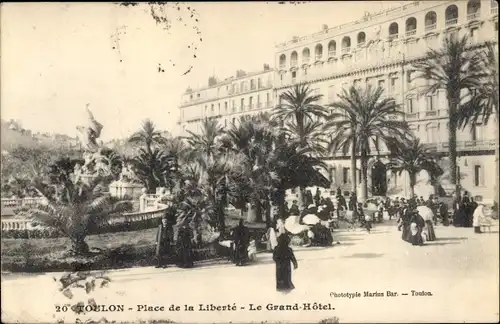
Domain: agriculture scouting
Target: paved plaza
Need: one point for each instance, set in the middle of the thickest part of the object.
(460, 270)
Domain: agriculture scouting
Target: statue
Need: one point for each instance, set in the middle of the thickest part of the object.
(88, 134)
(376, 32)
(96, 164)
(127, 174)
(77, 172)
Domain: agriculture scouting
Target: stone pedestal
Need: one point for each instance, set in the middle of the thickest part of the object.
(121, 189)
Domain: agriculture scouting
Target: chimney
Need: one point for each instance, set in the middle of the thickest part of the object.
(266, 67)
(324, 27)
(212, 81)
(240, 73)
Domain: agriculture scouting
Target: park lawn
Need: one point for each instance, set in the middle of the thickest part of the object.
(109, 251)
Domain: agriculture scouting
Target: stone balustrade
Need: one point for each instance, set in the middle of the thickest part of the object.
(22, 202)
(16, 224)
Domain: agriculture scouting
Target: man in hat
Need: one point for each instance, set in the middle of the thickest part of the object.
(163, 240)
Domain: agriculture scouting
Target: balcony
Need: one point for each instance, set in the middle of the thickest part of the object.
(260, 105)
(251, 106)
(393, 37)
(411, 32)
(305, 60)
(478, 145)
(346, 50)
(414, 115)
(473, 16)
(269, 104)
(318, 57)
(294, 80)
(293, 63)
(494, 11)
(430, 27)
(332, 53)
(431, 113)
(451, 22)
(361, 44)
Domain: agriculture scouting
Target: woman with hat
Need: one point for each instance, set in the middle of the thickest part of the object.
(283, 257)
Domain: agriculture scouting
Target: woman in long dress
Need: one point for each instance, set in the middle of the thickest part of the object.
(184, 247)
(416, 227)
(283, 256)
(477, 217)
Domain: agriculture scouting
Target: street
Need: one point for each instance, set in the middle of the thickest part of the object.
(364, 278)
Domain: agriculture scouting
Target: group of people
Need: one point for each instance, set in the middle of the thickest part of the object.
(180, 252)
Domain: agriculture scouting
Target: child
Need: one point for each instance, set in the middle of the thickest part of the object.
(252, 250)
(368, 222)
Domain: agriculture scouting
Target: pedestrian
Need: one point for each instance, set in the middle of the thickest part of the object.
(294, 209)
(241, 240)
(271, 239)
(163, 240)
(443, 211)
(368, 222)
(477, 217)
(283, 256)
(317, 197)
(184, 247)
(417, 224)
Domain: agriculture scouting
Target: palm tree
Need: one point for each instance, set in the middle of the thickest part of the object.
(152, 168)
(148, 136)
(412, 156)
(208, 141)
(484, 100)
(76, 210)
(298, 107)
(178, 153)
(115, 161)
(456, 69)
(363, 117)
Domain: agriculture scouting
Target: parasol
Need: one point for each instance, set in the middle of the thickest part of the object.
(292, 225)
(425, 212)
(226, 243)
(311, 219)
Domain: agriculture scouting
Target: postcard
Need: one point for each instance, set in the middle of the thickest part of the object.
(250, 162)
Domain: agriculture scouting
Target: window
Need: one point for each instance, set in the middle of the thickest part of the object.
(234, 106)
(305, 71)
(410, 105)
(206, 108)
(430, 103)
(345, 175)
(478, 176)
(198, 95)
(473, 132)
(252, 84)
(234, 120)
(394, 84)
(294, 74)
(331, 93)
(242, 104)
(191, 97)
(218, 107)
(212, 108)
(251, 102)
(474, 34)
(267, 97)
(225, 107)
(381, 84)
(259, 83)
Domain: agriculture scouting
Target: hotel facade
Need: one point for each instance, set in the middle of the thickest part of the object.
(379, 50)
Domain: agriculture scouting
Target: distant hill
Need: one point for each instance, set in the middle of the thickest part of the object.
(14, 135)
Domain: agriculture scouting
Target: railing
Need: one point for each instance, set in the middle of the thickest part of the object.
(393, 37)
(494, 11)
(473, 16)
(318, 57)
(431, 113)
(411, 32)
(22, 202)
(16, 224)
(450, 22)
(477, 145)
(346, 50)
(293, 63)
(361, 44)
(251, 106)
(305, 60)
(414, 115)
(430, 27)
(282, 66)
(246, 107)
(269, 104)
(260, 105)
(294, 80)
(332, 53)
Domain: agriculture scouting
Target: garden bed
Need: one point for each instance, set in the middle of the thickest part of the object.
(110, 251)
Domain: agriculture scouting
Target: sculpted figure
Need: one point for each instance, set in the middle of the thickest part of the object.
(89, 133)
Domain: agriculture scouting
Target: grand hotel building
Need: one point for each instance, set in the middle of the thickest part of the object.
(377, 50)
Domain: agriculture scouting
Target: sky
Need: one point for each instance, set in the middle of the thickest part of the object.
(57, 58)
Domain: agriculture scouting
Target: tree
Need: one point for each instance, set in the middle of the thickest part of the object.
(363, 117)
(483, 101)
(78, 207)
(148, 136)
(178, 153)
(298, 111)
(412, 156)
(115, 161)
(207, 142)
(152, 168)
(457, 69)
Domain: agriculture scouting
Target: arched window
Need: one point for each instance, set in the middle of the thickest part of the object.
(346, 45)
(473, 9)
(393, 31)
(306, 55)
(430, 20)
(451, 15)
(332, 48)
(411, 26)
(361, 38)
(318, 51)
(294, 58)
(282, 60)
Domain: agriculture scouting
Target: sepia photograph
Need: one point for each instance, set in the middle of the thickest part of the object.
(250, 162)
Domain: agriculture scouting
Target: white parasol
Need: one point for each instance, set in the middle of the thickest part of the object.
(293, 226)
(425, 212)
(226, 243)
(311, 219)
